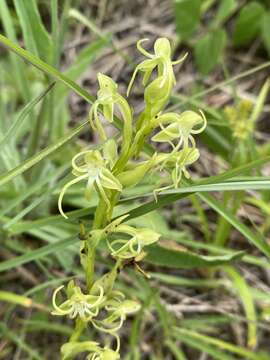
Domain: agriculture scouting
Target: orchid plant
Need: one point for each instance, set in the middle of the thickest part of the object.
(117, 165)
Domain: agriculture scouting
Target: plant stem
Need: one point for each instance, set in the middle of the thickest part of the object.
(80, 326)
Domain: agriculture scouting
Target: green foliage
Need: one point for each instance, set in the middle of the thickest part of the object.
(265, 28)
(248, 23)
(213, 43)
(187, 17)
(225, 10)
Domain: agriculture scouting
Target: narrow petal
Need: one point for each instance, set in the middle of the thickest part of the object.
(58, 311)
(64, 189)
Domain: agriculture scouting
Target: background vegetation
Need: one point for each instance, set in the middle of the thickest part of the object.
(193, 307)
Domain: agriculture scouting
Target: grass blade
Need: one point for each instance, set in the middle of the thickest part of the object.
(27, 164)
(20, 78)
(22, 115)
(46, 68)
(162, 256)
(15, 298)
(19, 342)
(246, 297)
(220, 344)
(255, 238)
(36, 254)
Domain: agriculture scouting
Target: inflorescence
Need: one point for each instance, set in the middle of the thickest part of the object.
(117, 165)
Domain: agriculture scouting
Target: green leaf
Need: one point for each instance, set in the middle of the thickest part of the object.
(255, 238)
(177, 280)
(82, 62)
(163, 256)
(259, 184)
(15, 298)
(225, 9)
(203, 346)
(37, 254)
(27, 164)
(28, 34)
(47, 69)
(36, 38)
(216, 343)
(241, 286)
(17, 65)
(248, 23)
(187, 17)
(22, 115)
(265, 30)
(209, 49)
(168, 199)
(20, 343)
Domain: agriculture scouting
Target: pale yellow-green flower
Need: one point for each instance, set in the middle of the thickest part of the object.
(161, 59)
(118, 311)
(158, 91)
(176, 163)
(96, 172)
(78, 304)
(131, 248)
(108, 99)
(179, 127)
(238, 118)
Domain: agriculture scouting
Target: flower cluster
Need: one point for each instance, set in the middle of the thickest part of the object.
(117, 165)
(238, 119)
(102, 307)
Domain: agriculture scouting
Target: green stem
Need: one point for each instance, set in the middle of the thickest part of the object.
(90, 266)
(80, 326)
(100, 220)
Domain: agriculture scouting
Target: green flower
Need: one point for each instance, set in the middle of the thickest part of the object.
(178, 161)
(131, 248)
(238, 118)
(158, 91)
(94, 170)
(107, 99)
(161, 59)
(78, 304)
(118, 311)
(181, 127)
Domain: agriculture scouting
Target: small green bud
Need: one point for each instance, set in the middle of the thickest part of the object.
(134, 176)
(110, 152)
(72, 349)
